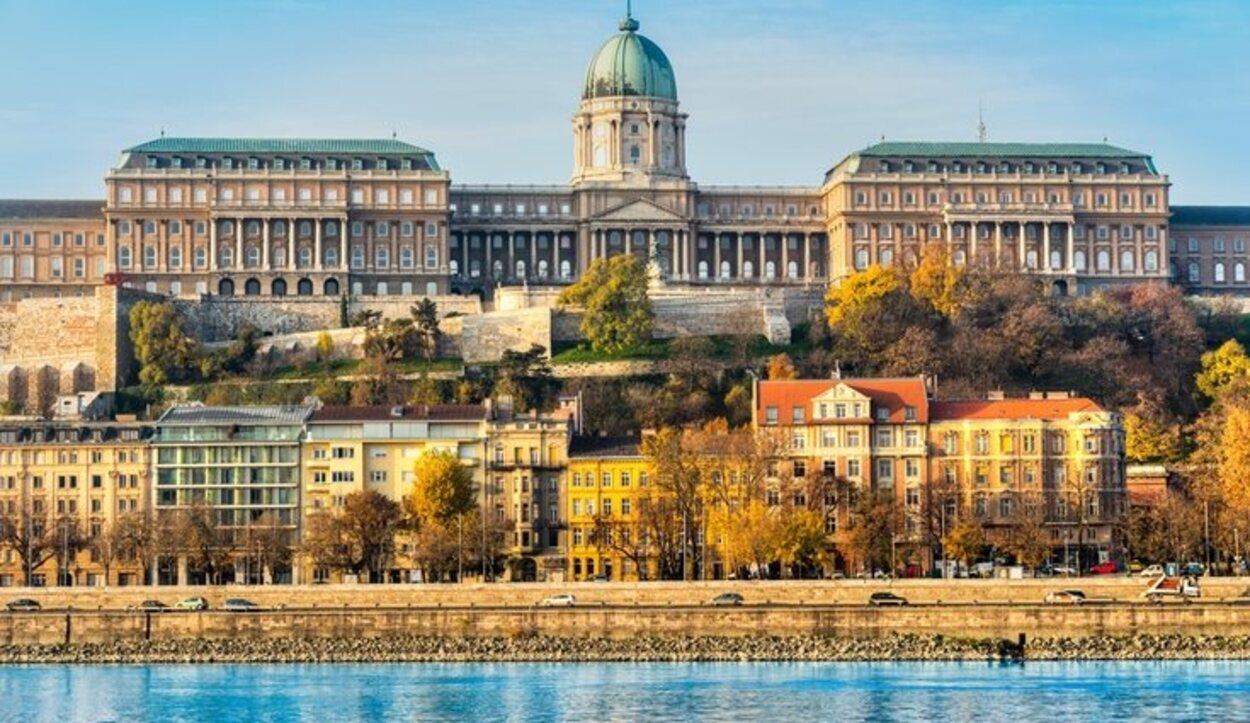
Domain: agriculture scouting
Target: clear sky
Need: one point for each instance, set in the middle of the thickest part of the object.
(777, 90)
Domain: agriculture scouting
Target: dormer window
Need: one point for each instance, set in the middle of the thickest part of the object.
(358, 164)
(1102, 168)
(1004, 167)
(227, 163)
(883, 414)
(1077, 168)
(279, 164)
(1124, 168)
(152, 162)
(406, 164)
(909, 167)
(885, 166)
(305, 164)
(382, 165)
(1029, 167)
(175, 162)
(253, 164)
(332, 164)
(933, 167)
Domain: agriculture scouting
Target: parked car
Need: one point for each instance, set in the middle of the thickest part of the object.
(726, 599)
(883, 599)
(1193, 569)
(559, 601)
(1105, 568)
(23, 605)
(239, 605)
(1152, 571)
(191, 603)
(1064, 597)
(1056, 570)
(149, 606)
(981, 569)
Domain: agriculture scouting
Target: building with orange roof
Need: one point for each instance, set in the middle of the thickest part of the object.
(1052, 457)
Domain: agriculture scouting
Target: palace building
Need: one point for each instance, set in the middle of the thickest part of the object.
(364, 217)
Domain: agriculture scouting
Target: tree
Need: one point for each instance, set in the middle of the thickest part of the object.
(937, 281)
(391, 341)
(269, 546)
(758, 539)
(526, 376)
(208, 546)
(425, 319)
(1028, 538)
(1152, 433)
(780, 367)
(442, 489)
(162, 347)
(377, 383)
(137, 539)
(613, 293)
(965, 540)
(37, 538)
(359, 538)
(803, 540)
(325, 346)
(1222, 367)
(674, 509)
(426, 391)
(868, 537)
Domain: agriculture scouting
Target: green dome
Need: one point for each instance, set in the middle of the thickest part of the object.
(630, 64)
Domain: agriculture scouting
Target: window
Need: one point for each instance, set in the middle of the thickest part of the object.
(431, 257)
(1219, 272)
(405, 257)
(382, 256)
(1193, 273)
(770, 415)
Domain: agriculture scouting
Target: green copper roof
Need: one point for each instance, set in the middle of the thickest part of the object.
(998, 150)
(630, 64)
(385, 146)
(1211, 215)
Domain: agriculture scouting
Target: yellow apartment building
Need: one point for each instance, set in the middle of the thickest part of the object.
(607, 477)
(1051, 455)
(352, 449)
(55, 475)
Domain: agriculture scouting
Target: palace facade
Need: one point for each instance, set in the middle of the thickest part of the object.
(289, 217)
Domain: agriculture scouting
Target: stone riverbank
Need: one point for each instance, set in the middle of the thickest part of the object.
(533, 648)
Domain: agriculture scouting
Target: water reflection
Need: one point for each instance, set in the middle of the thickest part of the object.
(625, 692)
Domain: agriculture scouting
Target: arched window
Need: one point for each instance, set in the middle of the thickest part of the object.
(382, 289)
(149, 257)
(1239, 272)
(332, 229)
(305, 229)
(520, 269)
(1194, 273)
(201, 257)
(703, 270)
(149, 286)
(748, 269)
(601, 155)
(770, 270)
(566, 269)
(405, 257)
(1152, 261)
(279, 228)
(909, 258)
(496, 269)
(331, 287)
(635, 154)
(1004, 506)
(278, 288)
(1056, 260)
(332, 256)
(405, 289)
(279, 257)
(175, 288)
(304, 257)
(542, 268)
(1030, 259)
(227, 227)
(1126, 260)
(123, 257)
(253, 228)
(792, 270)
(886, 256)
(431, 288)
(724, 269)
(225, 287)
(431, 257)
(382, 256)
(358, 288)
(1104, 260)
(960, 257)
(251, 287)
(453, 267)
(253, 256)
(1219, 272)
(1078, 260)
(175, 257)
(861, 259)
(358, 256)
(304, 287)
(227, 257)
(475, 269)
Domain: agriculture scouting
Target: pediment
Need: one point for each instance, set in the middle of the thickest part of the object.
(841, 392)
(639, 211)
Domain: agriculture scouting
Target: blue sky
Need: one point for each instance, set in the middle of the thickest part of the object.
(777, 90)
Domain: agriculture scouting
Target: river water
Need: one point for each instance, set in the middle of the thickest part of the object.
(776, 692)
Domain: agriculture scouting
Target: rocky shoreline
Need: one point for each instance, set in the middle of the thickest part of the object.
(641, 649)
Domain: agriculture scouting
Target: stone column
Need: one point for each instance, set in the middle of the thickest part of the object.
(785, 257)
(532, 271)
(998, 244)
(972, 244)
(556, 239)
(1046, 246)
(806, 271)
(464, 254)
(1070, 261)
(489, 271)
(264, 244)
(290, 244)
(763, 240)
(212, 244)
(510, 270)
(716, 256)
(738, 269)
(1023, 246)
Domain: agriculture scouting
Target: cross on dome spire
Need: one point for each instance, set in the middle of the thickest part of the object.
(628, 24)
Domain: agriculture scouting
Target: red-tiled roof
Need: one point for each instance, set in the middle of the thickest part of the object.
(1012, 409)
(382, 413)
(892, 394)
